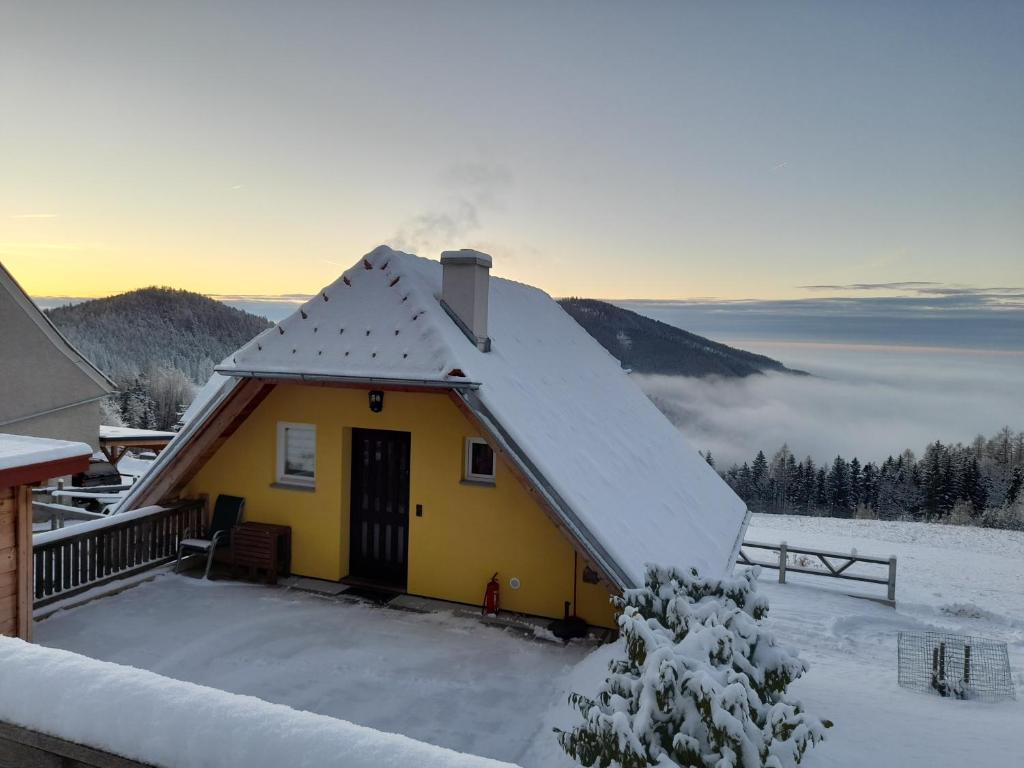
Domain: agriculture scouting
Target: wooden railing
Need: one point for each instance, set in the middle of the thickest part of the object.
(58, 514)
(71, 560)
(834, 564)
(21, 747)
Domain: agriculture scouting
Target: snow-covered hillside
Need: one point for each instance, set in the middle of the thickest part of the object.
(964, 580)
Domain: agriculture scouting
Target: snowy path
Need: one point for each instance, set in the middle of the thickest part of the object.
(445, 680)
(964, 580)
(851, 645)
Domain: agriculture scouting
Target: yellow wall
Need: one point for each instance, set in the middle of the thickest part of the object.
(466, 533)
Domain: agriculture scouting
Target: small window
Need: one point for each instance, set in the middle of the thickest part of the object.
(479, 461)
(296, 454)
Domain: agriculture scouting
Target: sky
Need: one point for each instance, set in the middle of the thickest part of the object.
(652, 151)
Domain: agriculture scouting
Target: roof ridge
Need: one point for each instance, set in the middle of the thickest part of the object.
(53, 333)
(401, 332)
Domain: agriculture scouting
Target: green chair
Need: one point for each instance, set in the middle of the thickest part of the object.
(227, 513)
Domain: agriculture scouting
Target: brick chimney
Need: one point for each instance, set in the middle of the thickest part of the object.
(464, 288)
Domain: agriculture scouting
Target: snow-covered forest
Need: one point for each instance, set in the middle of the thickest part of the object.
(977, 484)
(157, 344)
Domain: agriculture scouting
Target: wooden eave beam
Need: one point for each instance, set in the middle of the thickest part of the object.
(201, 446)
(340, 384)
(35, 473)
(127, 442)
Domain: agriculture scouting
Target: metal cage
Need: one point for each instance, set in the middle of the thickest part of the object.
(958, 666)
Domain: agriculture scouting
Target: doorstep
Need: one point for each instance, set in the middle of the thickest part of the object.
(317, 586)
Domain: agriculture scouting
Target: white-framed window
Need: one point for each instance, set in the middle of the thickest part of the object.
(296, 453)
(480, 461)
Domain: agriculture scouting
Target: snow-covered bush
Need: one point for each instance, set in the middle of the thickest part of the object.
(703, 683)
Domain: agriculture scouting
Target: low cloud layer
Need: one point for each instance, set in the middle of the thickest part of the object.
(867, 403)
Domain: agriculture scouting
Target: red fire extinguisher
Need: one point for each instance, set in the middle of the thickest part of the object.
(491, 596)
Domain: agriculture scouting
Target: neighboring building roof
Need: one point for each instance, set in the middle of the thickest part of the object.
(115, 441)
(25, 460)
(17, 293)
(129, 433)
(624, 481)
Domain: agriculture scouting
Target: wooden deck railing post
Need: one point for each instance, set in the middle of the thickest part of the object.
(783, 562)
(57, 521)
(892, 578)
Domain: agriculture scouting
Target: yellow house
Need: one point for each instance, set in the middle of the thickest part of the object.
(422, 426)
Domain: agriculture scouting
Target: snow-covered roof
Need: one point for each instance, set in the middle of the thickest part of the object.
(58, 339)
(108, 432)
(206, 393)
(23, 451)
(379, 320)
(625, 480)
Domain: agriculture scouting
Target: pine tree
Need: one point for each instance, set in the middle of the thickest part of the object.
(856, 483)
(869, 486)
(745, 485)
(136, 407)
(839, 488)
(983, 481)
(1015, 486)
(821, 489)
(973, 487)
(759, 481)
(933, 481)
(780, 476)
(703, 683)
(807, 496)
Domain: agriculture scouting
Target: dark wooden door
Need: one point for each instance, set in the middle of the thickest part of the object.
(379, 543)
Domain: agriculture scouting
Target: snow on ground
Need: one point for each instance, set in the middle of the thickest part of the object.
(456, 683)
(939, 565)
(132, 467)
(435, 677)
(965, 580)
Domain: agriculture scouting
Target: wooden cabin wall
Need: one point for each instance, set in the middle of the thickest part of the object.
(15, 561)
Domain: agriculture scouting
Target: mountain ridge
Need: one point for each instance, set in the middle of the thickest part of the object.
(131, 333)
(649, 346)
(134, 332)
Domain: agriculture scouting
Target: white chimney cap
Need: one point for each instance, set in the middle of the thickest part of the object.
(466, 256)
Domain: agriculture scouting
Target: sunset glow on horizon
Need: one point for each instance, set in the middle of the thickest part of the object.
(667, 152)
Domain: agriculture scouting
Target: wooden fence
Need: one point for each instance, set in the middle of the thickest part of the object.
(72, 560)
(835, 565)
